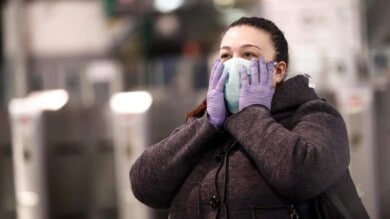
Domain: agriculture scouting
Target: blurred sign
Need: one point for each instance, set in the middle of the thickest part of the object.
(354, 100)
(65, 28)
(325, 38)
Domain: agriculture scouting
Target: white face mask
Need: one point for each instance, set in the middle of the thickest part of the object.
(233, 83)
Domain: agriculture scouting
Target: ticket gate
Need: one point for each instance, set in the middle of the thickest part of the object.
(29, 151)
(129, 112)
(64, 162)
(80, 165)
(7, 197)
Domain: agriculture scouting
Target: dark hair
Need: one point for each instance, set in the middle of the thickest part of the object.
(278, 40)
(277, 36)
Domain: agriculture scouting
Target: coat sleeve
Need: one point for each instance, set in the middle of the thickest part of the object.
(161, 169)
(299, 163)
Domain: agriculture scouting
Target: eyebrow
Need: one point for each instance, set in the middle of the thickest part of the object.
(250, 45)
(243, 46)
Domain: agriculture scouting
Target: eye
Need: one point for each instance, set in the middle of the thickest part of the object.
(249, 55)
(225, 56)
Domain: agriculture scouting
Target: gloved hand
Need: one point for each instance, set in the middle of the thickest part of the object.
(256, 88)
(216, 109)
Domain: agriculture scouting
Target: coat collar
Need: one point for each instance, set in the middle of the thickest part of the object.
(292, 93)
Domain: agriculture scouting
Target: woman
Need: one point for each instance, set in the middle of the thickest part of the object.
(264, 145)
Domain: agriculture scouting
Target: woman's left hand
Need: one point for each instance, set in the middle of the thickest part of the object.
(256, 88)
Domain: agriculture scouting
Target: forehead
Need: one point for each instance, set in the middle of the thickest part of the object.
(241, 35)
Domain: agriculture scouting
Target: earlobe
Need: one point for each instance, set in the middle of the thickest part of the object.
(280, 71)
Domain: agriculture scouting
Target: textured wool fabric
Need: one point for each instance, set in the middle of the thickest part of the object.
(261, 164)
(233, 84)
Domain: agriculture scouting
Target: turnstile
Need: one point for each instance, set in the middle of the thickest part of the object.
(7, 197)
(130, 133)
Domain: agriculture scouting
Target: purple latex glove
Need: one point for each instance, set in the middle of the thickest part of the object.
(256, 88)
(216, 109)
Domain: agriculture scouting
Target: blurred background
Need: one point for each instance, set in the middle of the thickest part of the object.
(85, 85)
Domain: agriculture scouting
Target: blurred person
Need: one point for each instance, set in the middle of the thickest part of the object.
(261, 145)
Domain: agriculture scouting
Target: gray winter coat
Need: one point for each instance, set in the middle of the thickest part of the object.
(263, 165)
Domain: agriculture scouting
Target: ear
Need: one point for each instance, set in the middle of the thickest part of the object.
(279, 73)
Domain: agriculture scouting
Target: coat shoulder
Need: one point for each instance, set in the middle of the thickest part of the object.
(317, 106)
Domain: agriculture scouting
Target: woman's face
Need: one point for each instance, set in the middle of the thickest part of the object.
(249, 42)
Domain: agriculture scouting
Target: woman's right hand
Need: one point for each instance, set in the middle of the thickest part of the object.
(216, 109)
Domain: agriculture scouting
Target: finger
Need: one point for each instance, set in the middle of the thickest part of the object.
(214, 66)
(216, 75)
(221, 82)
(244, 77)
(263, 70)
(254, 72)
(218, 72)
(270, 72)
